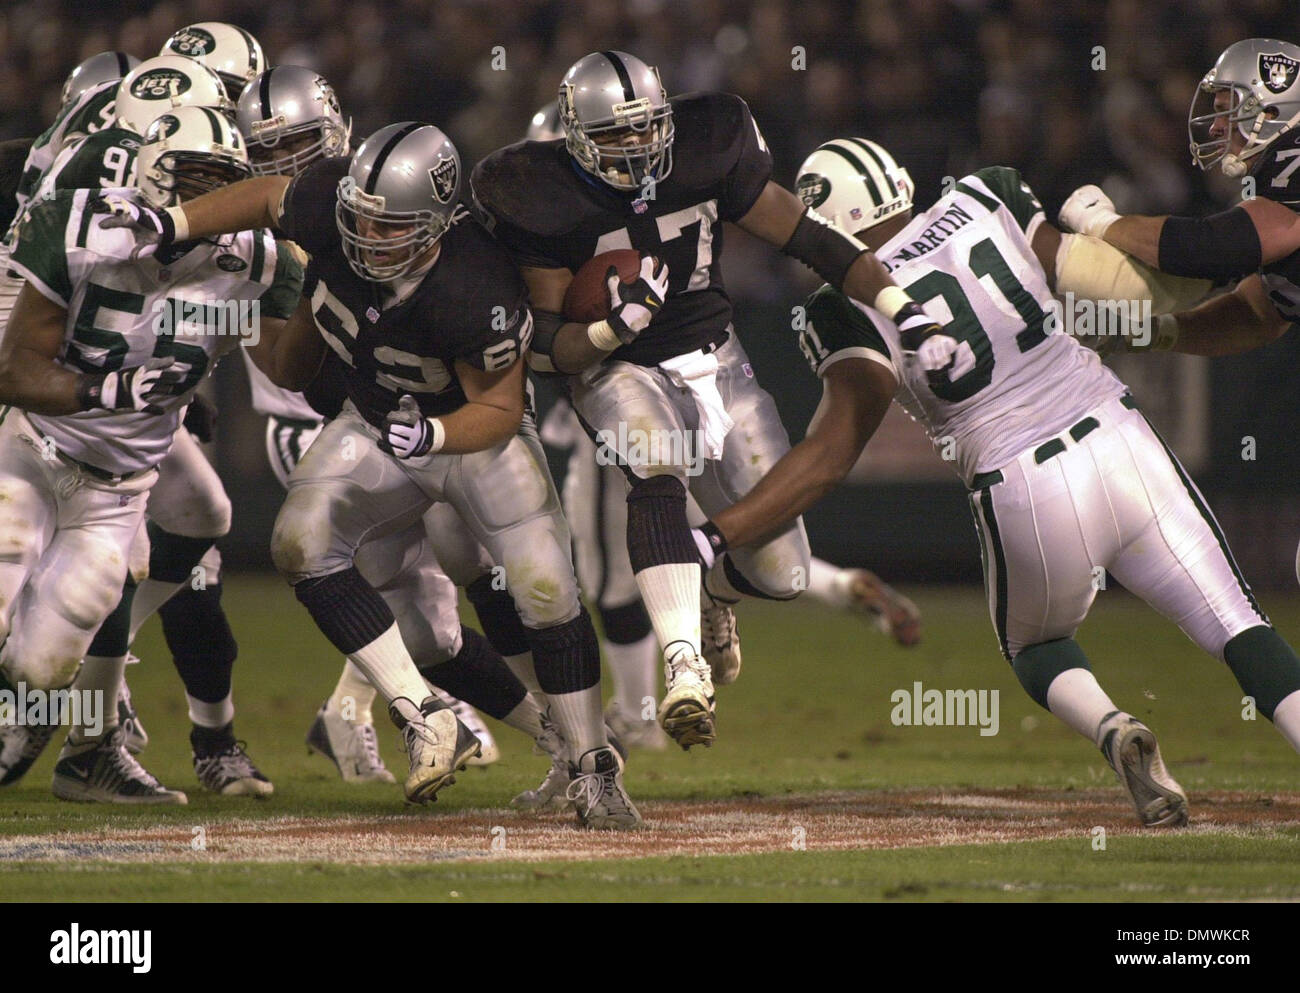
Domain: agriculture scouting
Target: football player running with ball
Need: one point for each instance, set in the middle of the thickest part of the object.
(1066, 476)
(639, 171)
(430, 319)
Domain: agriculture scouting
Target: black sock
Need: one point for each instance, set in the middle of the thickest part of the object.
(625, 625)
(478, 675)
(658, 532)
(347, 609)
(567, 656)
(497, 616)
(172, 557)
(202, 645)
(210, 741)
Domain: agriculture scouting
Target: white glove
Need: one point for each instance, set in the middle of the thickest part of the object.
(135, 388)
(942, 352)
(408, 434)
(1088, 211)
(632, 306)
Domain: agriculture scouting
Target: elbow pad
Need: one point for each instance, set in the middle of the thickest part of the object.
(1092, 269)
(1222, 246)
(824, 248)
(545, 327)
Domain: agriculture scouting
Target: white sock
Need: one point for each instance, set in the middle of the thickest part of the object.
(522, 667)
(101, 674)
(1286, 718)
(353, 696)
(828, 584)
(1077, 698)
(390, 668)
(672, 598)
(526, 717)
(635, 669)
(211, 715)
(580, 720)
(149, 596)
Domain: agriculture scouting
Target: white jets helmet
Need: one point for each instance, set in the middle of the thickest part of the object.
(102, 68)
(229, 51)
(163, 83)
(188, 152)
(545, 125)
(400, 195)
(1262, 76)
(280, 108)
(605, 95)
(854, 184)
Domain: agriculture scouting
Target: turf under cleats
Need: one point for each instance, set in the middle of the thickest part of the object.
(1130, 747)
(103, 771)
(597, 794)
(352, 746)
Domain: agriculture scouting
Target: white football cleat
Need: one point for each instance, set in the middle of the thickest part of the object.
(631, 732)
(474, 721)
(719, 638)
(597, 794)
(1130, 748)
(437, 745)
(686, 711)
(550, 794)
(352, 747)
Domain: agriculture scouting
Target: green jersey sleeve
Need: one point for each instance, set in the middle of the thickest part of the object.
(835, 329)
(1007, 185)
(281, 297)
(104, 160)
(40, 251)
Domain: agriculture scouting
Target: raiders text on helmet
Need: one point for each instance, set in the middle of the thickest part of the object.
(188, 152)
(1262, 79)
(399, 196)
(618, 124)
(102, 68)
(854, 184)
(163, 83)
(280, 106)
(229, 51)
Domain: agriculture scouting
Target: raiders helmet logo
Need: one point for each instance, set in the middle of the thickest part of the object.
(1277, 71)
(231, 263)
(813, 189)
(193, 42)
(160, 84)
(443, 177)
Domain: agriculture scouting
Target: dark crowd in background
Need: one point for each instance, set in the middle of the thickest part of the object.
(1067, 91)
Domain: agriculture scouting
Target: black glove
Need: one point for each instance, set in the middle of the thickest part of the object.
(633, 305)
(132, 389)
(154, 226)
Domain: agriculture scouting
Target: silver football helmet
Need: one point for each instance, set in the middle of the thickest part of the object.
(545, 125)
(618, 124)
(854, 183)
(102, 68)
(1262, 78)
(163, 83)
(188, 152)
(399, 197)
(229, 51)
(290, 117)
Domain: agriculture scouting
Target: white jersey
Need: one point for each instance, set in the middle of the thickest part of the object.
(270, 400)
(968, 261)
(194, 305)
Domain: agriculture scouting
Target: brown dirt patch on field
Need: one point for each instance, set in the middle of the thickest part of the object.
(738, 825)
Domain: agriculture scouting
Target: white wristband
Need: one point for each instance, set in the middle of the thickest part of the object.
(891, 300)
(439, 435)
(602, 336)
(180, 222)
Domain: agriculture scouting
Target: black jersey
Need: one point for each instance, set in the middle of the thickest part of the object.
(553, 215)
(1276, 178)
(471, 306)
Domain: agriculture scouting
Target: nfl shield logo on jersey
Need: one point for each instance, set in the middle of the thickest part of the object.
(443, 177)
(1277, 71)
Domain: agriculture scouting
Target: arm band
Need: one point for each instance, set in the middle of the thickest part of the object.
(545, 327)
(824, 248)
(1222, 246)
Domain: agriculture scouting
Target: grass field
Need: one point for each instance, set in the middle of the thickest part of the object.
(811, 793)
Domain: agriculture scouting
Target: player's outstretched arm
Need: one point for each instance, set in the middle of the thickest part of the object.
(781, 219)
(1227, 245)
(29, 377)
(244, 206)
(1230, 323)
(290, 351)
(855, 396)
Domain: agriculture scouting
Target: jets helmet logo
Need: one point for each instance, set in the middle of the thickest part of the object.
(1277, 71)
(193, 42)
(813, 189)
(160, 84)
(443, 177)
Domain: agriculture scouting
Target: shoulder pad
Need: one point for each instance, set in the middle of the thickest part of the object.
(1277, 174)
(528, 185)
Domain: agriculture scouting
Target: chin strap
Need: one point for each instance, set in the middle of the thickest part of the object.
(1235, 165)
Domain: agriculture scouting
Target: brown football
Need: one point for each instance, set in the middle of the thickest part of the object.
(587, 298)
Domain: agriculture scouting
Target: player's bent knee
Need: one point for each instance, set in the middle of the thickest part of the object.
(301, 545)
(778, 570)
